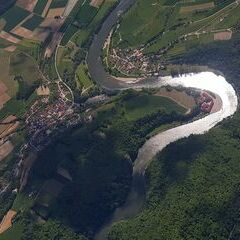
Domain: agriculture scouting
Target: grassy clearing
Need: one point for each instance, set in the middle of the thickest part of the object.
(33, 22)
(82, 77)
(14, 233)
(26, 73)
(21, 64)
(22, 202)
(19, 15)
(30, 47)
(136, 107)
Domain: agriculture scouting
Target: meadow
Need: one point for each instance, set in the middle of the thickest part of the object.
(82, 77)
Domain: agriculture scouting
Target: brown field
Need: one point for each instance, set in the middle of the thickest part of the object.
(40, 34)
(9, 37)
(44, 13)
(43, 91)
(96, 3)
(198, 7)
(52, 23)
(2, 23)
(10, 48)
(55, 12)
(180, 97)
(5, 149)
(3, 125)
(22, 32)
(3, 99)
(9, 126)
(222, 36)
(27, 4)
(7, 221)
(3, 88)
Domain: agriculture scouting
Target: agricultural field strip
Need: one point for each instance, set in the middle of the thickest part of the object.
(206, 18)
(215, 16)
(220, 14)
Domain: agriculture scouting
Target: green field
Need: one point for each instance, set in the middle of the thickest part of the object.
(58, 3)
(19, 15)
(5, 74)
(80, 36)
(86, 14)
(13, 233)
(136, 107)
(26, 73)
(82, 77)
(33, 22)
(40, 6)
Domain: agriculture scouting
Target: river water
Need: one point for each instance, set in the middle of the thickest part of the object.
(204, 80)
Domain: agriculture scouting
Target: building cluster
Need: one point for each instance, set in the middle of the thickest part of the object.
(133, 62)
(205, 101)
(43, 118)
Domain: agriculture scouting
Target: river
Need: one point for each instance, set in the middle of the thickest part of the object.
(204, 80)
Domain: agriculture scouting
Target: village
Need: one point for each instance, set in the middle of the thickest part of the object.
(49, 112)
(133, 62)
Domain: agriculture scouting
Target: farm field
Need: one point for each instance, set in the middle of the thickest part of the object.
(72, 52)
(80, 35)
(169, 21)
(86, 14)
(19, 13)
(40, 6)
(58, 3)
(33, 22)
